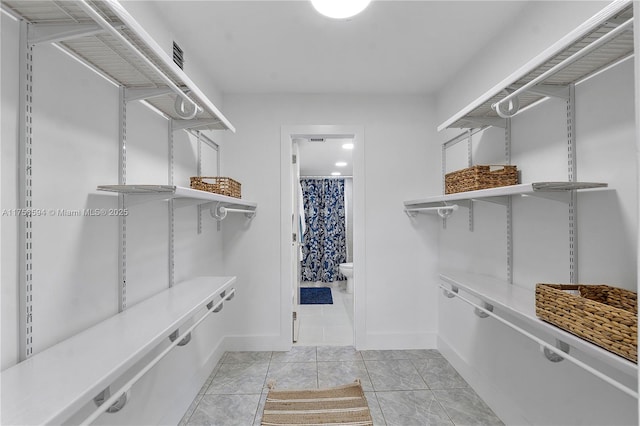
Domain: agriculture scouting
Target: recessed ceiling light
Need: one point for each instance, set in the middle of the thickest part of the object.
(348, 146)
(335, 173)
(341, 163)
(340, 9)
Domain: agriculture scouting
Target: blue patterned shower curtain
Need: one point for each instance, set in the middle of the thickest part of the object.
(324, 245)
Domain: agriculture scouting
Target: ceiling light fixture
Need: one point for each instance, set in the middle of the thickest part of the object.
(348, 146)
(340, 9)
(335, 173)
(341, 164)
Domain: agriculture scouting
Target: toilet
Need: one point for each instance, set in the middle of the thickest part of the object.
(346, 269)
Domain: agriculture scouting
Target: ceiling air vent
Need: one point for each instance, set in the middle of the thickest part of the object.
(178, 55)
(316, 139)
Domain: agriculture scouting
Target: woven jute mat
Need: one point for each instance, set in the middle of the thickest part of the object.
(341, 405)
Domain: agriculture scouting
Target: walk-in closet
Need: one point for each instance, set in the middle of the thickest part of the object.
(274, 212)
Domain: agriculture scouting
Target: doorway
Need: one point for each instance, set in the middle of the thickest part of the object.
(323, 223)
(309, 157)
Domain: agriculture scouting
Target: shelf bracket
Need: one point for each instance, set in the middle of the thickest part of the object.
(116, 406)
(555, 356)
(52, 33)
(480, 313)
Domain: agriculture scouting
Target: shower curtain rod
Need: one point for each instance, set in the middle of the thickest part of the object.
(325, 177)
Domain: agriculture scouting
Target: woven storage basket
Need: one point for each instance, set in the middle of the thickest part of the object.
(480, 177)
(218, 185)
(606, 316)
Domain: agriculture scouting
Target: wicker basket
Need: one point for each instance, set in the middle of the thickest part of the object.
(218, 185)
(480, 177)
(606, 316)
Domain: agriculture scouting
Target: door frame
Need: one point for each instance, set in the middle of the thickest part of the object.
(287, 134)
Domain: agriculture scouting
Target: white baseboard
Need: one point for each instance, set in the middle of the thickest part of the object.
(400, 341)
(496, 399)
(258, 343)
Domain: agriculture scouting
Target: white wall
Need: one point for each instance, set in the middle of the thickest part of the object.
(507, 369)
(75, 272)
(401, 160)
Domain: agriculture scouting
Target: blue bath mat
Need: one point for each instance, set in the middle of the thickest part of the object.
(315, 296)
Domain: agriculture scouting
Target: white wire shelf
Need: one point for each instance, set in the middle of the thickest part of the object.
(118, 48)
(563, 62)
(520, 303)
(54, 384)
(138, 194)
(520, 189)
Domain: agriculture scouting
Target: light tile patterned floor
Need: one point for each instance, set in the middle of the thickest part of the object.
(325, 325)
(403, 388)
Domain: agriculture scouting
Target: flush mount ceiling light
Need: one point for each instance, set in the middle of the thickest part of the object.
(340, 9)
(348, 146)
(341, 164)
(335, 173)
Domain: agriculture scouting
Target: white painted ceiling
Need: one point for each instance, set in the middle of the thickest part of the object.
(320, 158)
(287, 47)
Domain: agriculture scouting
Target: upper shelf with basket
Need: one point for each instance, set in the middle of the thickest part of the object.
(138, 194)
(105, 36)
(601, 41)
(535, 188)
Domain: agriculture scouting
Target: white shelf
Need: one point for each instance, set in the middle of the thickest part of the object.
(185, 196)
(520, 189)
(119, 60)
(52, 385)
(520, 303)
(479, 112)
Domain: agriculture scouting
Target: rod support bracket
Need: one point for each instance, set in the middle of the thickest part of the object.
(554, 356)
(449, 293)
(480, 313)
(116, 406)
(174, 336)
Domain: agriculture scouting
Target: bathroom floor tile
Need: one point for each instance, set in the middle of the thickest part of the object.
(465, 407)
(293, 375)
(374, 407)
(394, 375)
(246, 357)
(412, 408)
(225, 410)
(336, 373)
(338, 353)
(239, 378)
(439, 374)
(395, 383)
(296, 354)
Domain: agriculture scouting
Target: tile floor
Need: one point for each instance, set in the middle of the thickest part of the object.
(403, 388)
(327, 325)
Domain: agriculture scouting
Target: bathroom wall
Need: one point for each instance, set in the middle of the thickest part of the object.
(400, 164)
(75, 137)
(507, 369)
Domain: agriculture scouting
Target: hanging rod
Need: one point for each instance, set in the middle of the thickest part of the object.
(443, 211)
(114, 32)
(547, 346)
(220, 212)
(127, 386)
(579, 54)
